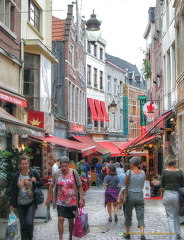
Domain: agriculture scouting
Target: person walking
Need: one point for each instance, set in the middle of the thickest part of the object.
(112, 182)
(134, 182)
(67, 184)
(87, 170)
(98, 169)
(56, 166)
(171, 179)
(21, 196)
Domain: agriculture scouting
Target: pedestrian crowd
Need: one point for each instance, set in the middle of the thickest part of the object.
(123, 184)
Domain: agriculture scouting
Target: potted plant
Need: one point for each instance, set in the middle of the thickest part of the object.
(9, 164)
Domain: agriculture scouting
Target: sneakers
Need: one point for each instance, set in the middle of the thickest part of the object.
(116, 218)
(143, 237)
(178, 236)
(127, 236)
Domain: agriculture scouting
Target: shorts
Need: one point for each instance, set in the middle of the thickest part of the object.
(66, 212)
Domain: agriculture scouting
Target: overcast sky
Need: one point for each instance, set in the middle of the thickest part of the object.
(123, 24)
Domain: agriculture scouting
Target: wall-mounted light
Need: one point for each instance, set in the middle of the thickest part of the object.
(112, 107)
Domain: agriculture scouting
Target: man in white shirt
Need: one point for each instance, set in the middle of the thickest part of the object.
(56, 166)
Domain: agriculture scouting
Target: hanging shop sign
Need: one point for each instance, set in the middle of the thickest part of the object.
(150, 109)
(142, 99)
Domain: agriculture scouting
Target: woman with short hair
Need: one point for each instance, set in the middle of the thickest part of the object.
(172, 179)
(67, 184)
(112, 182)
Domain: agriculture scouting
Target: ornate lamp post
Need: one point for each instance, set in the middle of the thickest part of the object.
(93, 29)
(112, 107)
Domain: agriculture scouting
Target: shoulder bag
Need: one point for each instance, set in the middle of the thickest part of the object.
(123, 194)
(37, 193)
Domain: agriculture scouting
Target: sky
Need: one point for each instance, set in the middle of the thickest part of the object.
(123, 23)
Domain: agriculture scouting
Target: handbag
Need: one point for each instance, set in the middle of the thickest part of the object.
(81, 225)
(38, 195)
(123, 194)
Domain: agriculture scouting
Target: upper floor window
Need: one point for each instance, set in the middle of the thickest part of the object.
(89, 47)
(95, 50)
(7, 15)
(88, 74)
(32, 80)
(115, 86)
(101, 80)
(101, 53)
(34, 15)
(108, 83)
(95, 77)
(71, 54)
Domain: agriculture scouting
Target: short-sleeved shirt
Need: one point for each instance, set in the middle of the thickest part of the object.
(136, 181)
(66, 195)
(112, 184)
(172, 180)
(25, 192)
(98, 168)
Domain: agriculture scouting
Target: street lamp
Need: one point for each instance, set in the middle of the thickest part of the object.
(93, 29)
(112, 107)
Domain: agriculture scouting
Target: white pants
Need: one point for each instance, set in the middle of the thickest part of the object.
(170, 201)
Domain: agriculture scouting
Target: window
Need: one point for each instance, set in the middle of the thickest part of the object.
(95, 78)
(108, 83)
(32, 80)
(89, 47)
(71, 55)
(134, 107)
(115, 86)
(101, 53)
(88, 74)
(95, 50)
(34, 15)
(101, 80)
(7, 15)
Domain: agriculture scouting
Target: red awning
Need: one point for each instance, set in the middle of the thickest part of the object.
(102, 103)
(13, 98)
(100, 149)
(99, 110)
(146, 140)
(92, 108)
(115, 151)
(144, 135)
(123, 145)
(85, 149)
(13, 125)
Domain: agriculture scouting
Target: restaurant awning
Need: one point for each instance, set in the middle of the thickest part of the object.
(102, 103)
(85, 149)
(99, 110)
(115, 151)
(146, 140)
(92, 109)
(13, 98)
(10, 124)
(100, 149)
(148, 131)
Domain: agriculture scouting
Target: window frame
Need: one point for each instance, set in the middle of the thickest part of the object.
(35, 11)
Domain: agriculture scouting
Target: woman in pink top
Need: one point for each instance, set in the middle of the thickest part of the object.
(67, 184)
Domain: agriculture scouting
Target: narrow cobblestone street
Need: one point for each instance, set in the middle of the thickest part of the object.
(101, 229)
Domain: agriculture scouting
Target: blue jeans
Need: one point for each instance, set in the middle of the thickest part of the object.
(170, 201)
(26, 216)
(99, 179)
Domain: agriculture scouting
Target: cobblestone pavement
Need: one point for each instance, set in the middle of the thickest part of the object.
(101, 229)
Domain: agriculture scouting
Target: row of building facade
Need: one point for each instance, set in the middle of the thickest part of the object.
(57, 89)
